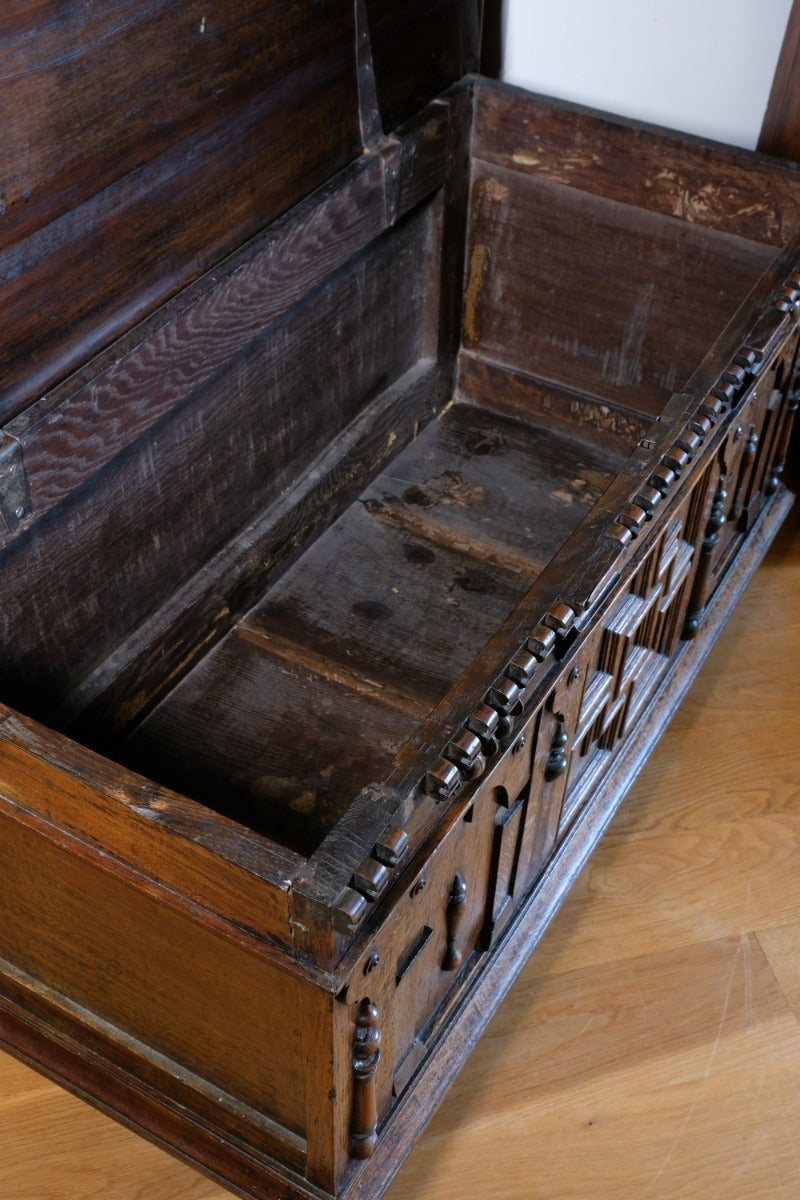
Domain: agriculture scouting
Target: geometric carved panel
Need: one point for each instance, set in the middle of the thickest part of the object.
(632, 651)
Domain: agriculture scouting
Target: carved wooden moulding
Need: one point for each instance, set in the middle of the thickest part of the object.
(357, 545)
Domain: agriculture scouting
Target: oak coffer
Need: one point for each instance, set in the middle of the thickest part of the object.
(382, 450)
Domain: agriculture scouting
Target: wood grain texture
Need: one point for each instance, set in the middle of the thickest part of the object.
(373, 626)
(542, 255)
(514, 485)
(143, 143)
(226, 448)
(133, 678)
(669, 173)
(420, 48)
(324, 679)
(682, 1079)
(518, 393)
(192, 1027)
(780, 129)
(92, 1172)
(781, 945)
(174, 841)
(269, 741)
(82, 894)
(98, 93)
(664, 1068)
(78, 428)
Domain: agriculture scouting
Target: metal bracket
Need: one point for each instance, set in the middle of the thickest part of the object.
(15, 496)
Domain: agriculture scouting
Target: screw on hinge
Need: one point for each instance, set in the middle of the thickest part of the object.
(372, 962)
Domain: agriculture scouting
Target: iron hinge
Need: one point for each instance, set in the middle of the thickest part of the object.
(15, 496)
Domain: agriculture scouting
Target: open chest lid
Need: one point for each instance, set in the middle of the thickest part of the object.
(144, 143)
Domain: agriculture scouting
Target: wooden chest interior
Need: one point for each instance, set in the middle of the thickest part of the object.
(375, 474)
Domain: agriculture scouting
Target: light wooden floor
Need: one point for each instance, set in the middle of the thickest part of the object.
(651, 1047)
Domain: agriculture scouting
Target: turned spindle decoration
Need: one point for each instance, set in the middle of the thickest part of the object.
(456, 904)
(715, 522)
(557, 759)
(748, 458)
(366, 1056)
(779, 463)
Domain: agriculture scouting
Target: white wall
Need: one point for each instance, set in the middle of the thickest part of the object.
(704, 66)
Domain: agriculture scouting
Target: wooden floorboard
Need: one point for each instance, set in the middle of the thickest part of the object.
(782, 948)
(651, 1046)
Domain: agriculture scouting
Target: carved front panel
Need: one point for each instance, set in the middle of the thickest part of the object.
(528, 789)
(424, 944)
(463, 892)
(519, 772)
(626, 657)
(745, 472)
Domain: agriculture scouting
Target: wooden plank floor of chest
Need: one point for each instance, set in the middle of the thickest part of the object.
(372, 493)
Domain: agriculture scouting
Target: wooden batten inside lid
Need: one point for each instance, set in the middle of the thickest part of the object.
(142, 144)
(419, 48)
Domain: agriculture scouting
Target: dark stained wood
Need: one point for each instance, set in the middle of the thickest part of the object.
(456, 901)
(444, 317)
(368, 111)
(673, 174)
(372, 649)
(468, 1019)
(80, 427)
(129, 173)
(482, 479)
(231, 448)
(56, 1148)
(372, 627)
(780, 129)
(420, 48)
(80, 115)
(140, 671)
(596, 549)
(268, 741)
(492, 38)
(93, 1076)
(364, 559)
(495, 388)
(541, 256)
(378, 568)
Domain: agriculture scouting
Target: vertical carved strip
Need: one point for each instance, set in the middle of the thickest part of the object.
(716, 520)
(456, 904)
(748, 459)
(779, 464)
(694, 517)
(366, 1056)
